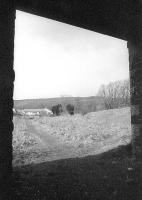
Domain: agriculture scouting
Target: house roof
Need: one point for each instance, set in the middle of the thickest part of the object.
(37, 110)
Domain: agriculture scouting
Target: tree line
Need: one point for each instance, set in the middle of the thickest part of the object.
(115, 94)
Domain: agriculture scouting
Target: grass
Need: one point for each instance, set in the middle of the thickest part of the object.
(72, 136)
(23, 142)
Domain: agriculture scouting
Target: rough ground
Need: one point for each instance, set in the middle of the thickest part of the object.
(51, 138)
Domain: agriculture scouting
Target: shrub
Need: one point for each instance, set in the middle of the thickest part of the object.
(57, 109)
(70, 109)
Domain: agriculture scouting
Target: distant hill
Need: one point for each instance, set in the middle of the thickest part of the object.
(82, 104)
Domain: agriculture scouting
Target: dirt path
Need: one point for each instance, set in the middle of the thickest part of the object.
(45, 138)
(51, 143)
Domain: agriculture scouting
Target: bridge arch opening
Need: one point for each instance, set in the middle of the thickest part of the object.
(64, 64)
(125, 24)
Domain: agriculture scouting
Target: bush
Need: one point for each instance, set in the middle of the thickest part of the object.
(57, 109)
(70, 109)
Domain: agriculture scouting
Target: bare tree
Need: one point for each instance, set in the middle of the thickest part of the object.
(78, 105)
(125, 92)
(115, 94)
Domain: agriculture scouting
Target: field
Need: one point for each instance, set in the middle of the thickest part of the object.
(41, 139)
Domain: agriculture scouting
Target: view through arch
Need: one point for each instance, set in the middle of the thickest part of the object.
(59, 64)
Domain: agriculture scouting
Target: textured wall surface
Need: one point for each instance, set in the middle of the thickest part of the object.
(7, 18)
(111, 17)
(135, 62)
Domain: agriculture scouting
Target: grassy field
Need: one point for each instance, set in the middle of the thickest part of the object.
(75, 158)
(52, 138)
(49, 102)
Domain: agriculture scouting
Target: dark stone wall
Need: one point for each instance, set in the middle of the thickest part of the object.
(111, 17)
(135, 63)
(7, 18)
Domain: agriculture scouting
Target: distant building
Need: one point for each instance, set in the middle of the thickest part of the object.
(34, 112)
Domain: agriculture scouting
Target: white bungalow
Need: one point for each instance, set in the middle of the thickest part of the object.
(38, 112)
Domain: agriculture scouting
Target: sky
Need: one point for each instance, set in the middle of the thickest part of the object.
(54, 59)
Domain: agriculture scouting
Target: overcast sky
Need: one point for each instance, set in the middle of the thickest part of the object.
(54, 59)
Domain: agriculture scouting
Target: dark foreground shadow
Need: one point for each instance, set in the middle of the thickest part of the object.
(111, 175)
